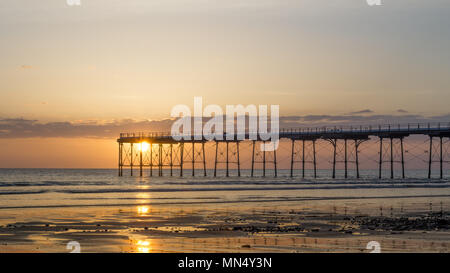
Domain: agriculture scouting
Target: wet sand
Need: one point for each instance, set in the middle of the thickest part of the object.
(43, 210)
(293, 227)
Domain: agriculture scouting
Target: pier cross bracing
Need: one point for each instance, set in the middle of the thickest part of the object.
(161, 151)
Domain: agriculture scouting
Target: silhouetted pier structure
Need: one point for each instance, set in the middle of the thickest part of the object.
(160, 150)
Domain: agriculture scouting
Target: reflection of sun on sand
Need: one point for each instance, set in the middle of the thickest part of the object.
(143, 210)
(283, 228)
(316, 224)
(139, 245)
(143, 246)
(143, 197)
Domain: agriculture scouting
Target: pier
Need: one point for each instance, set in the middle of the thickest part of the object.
(158, 151)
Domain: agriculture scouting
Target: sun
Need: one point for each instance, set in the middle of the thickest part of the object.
(144, 146)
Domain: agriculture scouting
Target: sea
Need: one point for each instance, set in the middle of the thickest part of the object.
(59, 188)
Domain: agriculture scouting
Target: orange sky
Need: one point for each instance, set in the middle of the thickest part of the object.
(103, 153)
(106, 61)
(58, 153)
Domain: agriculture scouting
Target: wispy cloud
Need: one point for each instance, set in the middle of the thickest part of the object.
(365, 111)
(23, 128)
(26, 67)
(28, 128)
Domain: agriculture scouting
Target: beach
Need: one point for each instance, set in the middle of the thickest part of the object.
(42, 210)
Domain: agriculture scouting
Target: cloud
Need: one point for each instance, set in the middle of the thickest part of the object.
(357, 120)
(402, 111)
(26, 67)
(28, 128)
(24, 128)
(365, 111)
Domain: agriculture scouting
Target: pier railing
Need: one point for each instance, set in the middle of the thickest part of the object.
(409, 128)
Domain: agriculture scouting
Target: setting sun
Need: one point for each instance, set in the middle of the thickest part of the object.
(144, 146)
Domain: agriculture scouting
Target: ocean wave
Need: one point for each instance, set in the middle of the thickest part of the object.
(169, 181)
(276, 199)
(22, 192)
(209, 189)
(52, 183)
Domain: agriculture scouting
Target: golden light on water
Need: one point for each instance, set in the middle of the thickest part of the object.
(143, 210)
(143, 197)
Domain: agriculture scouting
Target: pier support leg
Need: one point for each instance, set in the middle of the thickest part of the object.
(227, 174)
(345, 158)
(120, 159)
(204, 159)
(303, 158)
(151, 159)
(140, 161)
(292, 157)
(403, 158)
(238, 159)
(392, 160)
(334, 157)
(181, 147)
(356, 158)
(193, 158)
(215, 160)
(275, 162)
(171, 159)
(430, 157)
(441, 160)
(160, 157)
(314, 159)
(381, 158)
(131, 160)
(264, 160)
(253, 156)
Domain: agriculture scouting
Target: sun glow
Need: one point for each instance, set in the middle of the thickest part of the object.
(144, 146)
(143, 246)
(142, 210)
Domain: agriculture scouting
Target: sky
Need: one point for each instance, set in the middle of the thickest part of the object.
(78, 75)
